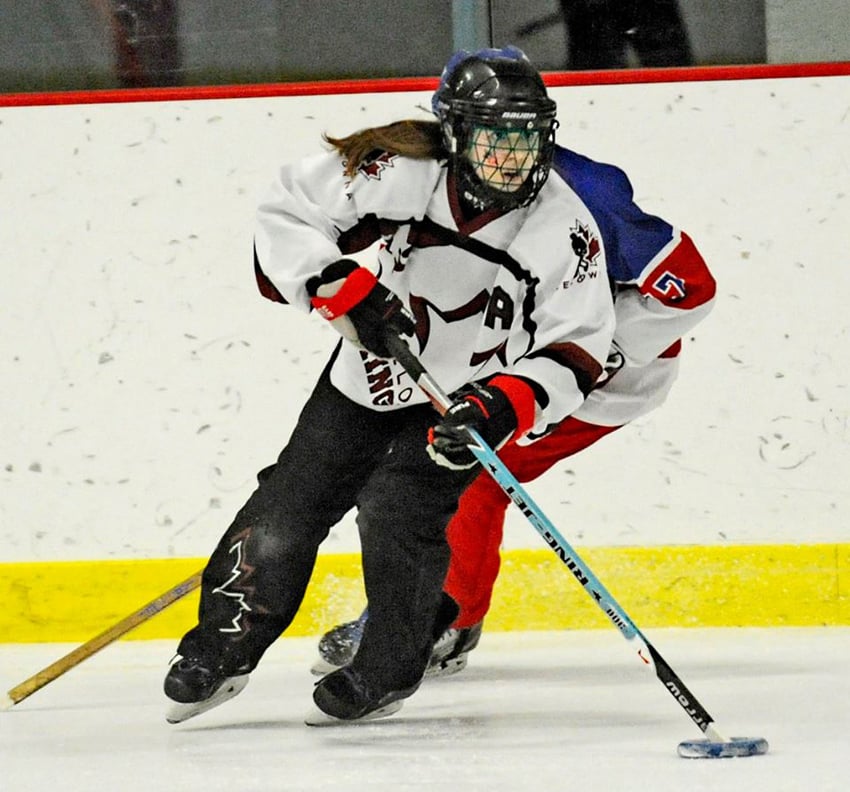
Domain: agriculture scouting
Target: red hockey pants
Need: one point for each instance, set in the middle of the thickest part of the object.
(475, 531)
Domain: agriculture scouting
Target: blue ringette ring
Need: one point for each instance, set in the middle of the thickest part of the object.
(711, 749)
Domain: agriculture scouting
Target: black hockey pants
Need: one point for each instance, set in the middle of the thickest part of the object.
(340, 456)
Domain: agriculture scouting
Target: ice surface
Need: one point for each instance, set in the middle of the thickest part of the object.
(533, 711)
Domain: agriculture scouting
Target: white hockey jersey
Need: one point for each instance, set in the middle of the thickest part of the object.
(525, 292)
(501, 293)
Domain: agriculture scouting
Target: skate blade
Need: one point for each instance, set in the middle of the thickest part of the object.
(446, 667)
(178, 712)
(322, 668)
(319, 718)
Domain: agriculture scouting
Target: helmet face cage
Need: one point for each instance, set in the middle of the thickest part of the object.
(502, 166)
(499, 127)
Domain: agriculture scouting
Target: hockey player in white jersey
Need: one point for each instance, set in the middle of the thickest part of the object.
(478, 271)
(663, 289)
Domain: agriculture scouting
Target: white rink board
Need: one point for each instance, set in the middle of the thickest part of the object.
(145, 381)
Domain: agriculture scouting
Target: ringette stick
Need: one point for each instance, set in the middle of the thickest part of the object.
(714, 745)
(66, 663)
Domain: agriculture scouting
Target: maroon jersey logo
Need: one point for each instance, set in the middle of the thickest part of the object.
(375, 164)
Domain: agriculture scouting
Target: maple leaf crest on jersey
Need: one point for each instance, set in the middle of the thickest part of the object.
(375, 164)
(585, 243)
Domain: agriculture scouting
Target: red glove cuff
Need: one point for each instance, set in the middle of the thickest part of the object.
(521, 396)
(354, 288)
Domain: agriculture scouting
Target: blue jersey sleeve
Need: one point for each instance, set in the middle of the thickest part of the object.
(631, 237)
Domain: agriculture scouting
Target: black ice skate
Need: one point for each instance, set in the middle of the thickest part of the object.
(343, 696)
(338, 646)
(196, 688)
(452, 649)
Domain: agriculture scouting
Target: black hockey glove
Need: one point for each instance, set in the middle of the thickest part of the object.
(484, 408)
(361, 308)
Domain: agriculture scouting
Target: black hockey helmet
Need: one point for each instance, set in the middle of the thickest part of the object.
(494, 101)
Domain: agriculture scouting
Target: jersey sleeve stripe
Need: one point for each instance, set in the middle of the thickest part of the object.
(584, 366)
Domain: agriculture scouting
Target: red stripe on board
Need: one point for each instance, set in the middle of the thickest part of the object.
(553, 79)
(249, 91)
(698, 74)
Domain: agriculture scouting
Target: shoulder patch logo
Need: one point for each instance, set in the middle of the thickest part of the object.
(376, 163)
(670, 286)
(586, 247)
(585, 244)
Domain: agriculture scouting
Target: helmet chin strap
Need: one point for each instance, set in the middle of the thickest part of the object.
(480, 196)
(478, 200)
(473, 200)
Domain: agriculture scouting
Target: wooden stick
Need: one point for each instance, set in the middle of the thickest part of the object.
(66, 663)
